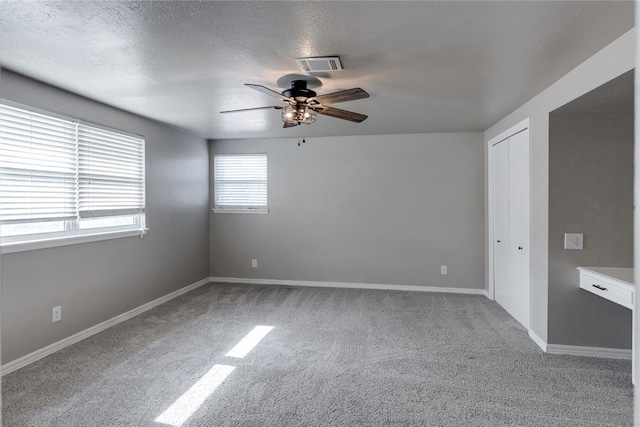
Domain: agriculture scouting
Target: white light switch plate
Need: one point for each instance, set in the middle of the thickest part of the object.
(573, 241)
(56, 314)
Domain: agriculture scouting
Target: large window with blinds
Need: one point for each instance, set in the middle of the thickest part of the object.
(240, 183)
(62, 178)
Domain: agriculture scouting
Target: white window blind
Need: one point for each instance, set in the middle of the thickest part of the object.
(37, 167)
(240, 181)
(110, 173)
(62, 178)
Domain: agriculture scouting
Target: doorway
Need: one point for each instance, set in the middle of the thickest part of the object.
(591, 148)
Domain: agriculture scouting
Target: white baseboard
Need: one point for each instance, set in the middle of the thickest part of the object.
(539, 341)
(574, 350)
(349, 285)
(577, 350)
(66, 342)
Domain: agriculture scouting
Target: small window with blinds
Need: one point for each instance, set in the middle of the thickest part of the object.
(61, 178)
(240, 183)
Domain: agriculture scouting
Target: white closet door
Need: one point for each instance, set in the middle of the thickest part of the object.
(501, 223)
(511, 225)
(519, 286)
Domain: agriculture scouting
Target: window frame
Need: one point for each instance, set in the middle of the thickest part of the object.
(259, 210)
(73, 233)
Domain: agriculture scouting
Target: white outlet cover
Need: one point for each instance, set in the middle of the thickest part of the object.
(56, 314)
(573, 241)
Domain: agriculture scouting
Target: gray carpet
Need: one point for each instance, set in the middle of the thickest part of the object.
(335, 357)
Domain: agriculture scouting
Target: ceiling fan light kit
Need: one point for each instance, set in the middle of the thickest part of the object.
(298, 115)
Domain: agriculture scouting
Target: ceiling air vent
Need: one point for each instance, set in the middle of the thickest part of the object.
(320, 63)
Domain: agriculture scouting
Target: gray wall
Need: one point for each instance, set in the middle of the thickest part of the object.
(96, 281)
(612, 61)
(590, 192)
(385, 209)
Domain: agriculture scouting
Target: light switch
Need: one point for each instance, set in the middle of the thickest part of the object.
(573, 241)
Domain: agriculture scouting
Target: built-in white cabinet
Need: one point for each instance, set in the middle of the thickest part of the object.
(510, 219)
(614, 284)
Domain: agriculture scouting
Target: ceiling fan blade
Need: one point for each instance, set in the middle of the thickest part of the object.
(289, 125)
(341, 96)
(340, 114)
(269, 92)
(277, 107)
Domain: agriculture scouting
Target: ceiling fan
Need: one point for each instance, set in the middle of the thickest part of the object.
(303, 105)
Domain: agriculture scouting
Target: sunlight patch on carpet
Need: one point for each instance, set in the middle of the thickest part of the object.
(249, 341)
(193, 398)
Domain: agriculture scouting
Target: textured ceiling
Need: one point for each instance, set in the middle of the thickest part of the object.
(429, 66)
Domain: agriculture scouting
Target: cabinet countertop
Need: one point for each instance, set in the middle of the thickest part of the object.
(620, 275)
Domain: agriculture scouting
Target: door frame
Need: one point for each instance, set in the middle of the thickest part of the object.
(517, 128)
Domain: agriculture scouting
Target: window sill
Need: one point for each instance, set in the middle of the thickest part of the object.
(259, 211)
(33, 245)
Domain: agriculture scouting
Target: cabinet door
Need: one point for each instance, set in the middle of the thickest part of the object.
(519, 226)
(501, 223)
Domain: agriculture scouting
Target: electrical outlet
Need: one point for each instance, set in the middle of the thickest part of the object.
(254, 263)
(56, 314)
(443, 270)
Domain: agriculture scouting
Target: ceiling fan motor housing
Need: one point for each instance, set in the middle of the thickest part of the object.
(299, 91)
